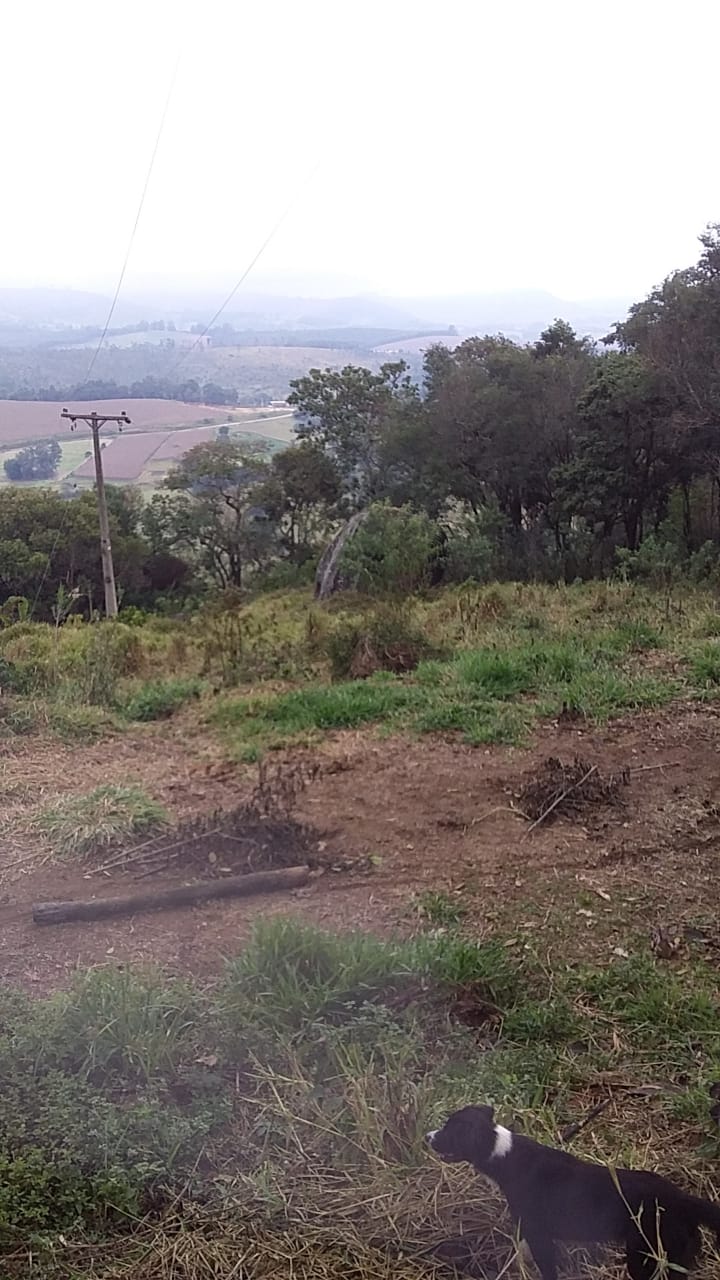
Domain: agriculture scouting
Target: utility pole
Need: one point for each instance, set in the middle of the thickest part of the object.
(95, 421)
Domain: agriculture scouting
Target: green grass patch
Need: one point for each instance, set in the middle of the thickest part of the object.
(302, 712)
(484, 695)
(497, 674)
(705, 667)
(602, 693)
(76, 826)
(158, 699)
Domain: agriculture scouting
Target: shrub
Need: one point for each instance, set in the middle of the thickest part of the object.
(392, 551)
(38, 1196)
(26, 653)
(95, 657)
(389, 639)
(470, 554)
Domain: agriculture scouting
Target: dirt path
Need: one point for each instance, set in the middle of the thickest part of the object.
(429, 814)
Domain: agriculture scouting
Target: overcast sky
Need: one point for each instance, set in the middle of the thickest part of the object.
(424, 147)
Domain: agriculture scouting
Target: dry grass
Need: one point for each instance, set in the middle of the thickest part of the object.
(77, 825)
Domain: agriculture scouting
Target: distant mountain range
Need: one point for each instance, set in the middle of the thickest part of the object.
(521, 314)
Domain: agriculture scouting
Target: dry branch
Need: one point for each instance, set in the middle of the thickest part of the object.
(163, 899)
(559, 799)
(572, 1130)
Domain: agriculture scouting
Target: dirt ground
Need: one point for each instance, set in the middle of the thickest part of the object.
(394, 818)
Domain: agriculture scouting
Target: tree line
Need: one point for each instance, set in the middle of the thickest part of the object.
(552, 460)
(189, 391)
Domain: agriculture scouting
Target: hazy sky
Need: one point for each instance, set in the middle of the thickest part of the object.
(458, 147)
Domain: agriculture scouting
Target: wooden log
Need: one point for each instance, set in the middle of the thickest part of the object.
(163, 899)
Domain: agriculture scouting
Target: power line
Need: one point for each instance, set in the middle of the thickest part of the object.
(138, 215)
(253, 262)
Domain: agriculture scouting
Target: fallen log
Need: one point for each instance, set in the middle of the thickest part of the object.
(162, 899)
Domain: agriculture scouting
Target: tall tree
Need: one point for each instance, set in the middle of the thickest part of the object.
(219, 514)
(300, 494)
(629, 451)
(350, 413)
(677, 331)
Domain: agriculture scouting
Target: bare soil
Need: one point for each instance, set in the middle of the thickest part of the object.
(390, 819)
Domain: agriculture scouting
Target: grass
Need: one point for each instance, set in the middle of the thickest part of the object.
(512, 654)
(439, 908)
(77, 825)
(487, 695)
(158, 699)
(289, 1099)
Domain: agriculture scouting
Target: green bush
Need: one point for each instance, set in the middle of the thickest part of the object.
(392, 552)
(26, 651)
(39, 1196)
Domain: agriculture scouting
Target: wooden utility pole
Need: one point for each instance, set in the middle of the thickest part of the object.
(95, 421)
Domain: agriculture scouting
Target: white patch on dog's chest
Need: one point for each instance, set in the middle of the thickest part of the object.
(503, 1142)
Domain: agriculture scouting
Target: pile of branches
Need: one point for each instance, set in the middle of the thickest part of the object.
(261, 834)
(556, 789)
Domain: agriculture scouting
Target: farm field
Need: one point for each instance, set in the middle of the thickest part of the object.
(512, 897)
(22, 421)
(144, 457)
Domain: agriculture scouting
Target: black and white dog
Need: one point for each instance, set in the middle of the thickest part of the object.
(553, 1196)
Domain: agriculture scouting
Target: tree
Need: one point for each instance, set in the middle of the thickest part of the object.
(350, 414)
(629, 451)
(301, 491)
(392, 551)
(560, 339)
(34, 462)
(487, 425)
(48, 541)
(677, 331)
(212, 393)
(215, 511)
